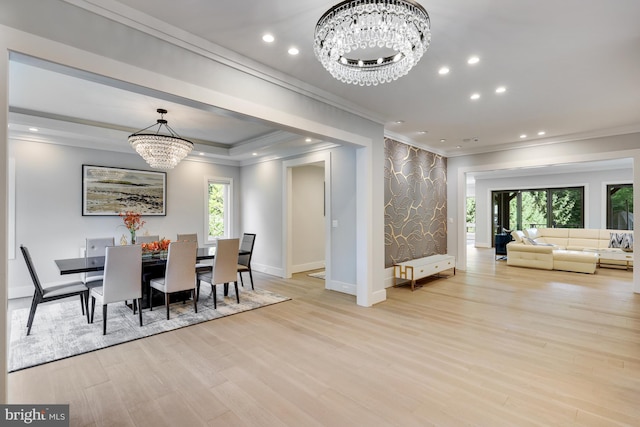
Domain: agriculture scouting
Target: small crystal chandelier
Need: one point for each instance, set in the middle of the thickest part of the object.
(398, 31)
(160, 151)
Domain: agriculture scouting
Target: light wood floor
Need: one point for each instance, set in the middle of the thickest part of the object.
(495, 346)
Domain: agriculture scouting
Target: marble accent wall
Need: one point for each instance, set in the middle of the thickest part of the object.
(415, 208)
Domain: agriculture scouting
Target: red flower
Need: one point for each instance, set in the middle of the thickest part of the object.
(132, 220)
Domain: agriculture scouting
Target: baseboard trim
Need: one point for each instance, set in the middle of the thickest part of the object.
(266, 269)
(315, 265)
(379, 296)
(345, 288)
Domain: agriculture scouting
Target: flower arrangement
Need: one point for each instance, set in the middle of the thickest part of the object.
(160, 245)
(133, 221)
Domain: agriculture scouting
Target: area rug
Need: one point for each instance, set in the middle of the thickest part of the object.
(60, 330)
(317, 275)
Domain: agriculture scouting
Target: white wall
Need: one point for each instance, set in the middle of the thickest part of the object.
(261, 213)
(49, 217)
(308, 218)
(593, 182)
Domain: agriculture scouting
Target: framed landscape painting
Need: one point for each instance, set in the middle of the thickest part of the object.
(110, 191)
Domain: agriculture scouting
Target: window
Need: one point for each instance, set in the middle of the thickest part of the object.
(218, 205)
(620, 207)
(547, 207)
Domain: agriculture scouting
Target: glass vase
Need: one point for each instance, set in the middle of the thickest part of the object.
(133, 237)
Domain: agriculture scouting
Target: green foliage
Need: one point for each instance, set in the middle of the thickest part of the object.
(567, 207)
(621, 202)
(471, 210)
(216, 210)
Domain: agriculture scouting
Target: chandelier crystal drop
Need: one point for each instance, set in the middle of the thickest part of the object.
(158, 150)
(400, 30)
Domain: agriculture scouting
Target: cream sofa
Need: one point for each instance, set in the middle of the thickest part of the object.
(570, 249)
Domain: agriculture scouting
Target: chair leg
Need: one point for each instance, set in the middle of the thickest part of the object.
(241, 280)
(93, 307)
(198, 289)
(139, 309)
(82, 303)
(215, 297)
(237, 294)
(150, 298)
(104, 319)
(166, 302)
(251, 277)
(32, 312)
(86, 304)
(195, 300)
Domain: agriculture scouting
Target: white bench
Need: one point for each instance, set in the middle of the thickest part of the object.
(420, 268)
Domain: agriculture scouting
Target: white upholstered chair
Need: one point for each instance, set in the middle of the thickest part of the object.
(225, 268)
(179, 273)
(201, 267)
(95, 246)
(121, 282)
(147, 239)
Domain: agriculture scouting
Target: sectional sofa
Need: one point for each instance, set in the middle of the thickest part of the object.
(570, 249)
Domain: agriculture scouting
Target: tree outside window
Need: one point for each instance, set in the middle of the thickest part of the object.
(218, 209)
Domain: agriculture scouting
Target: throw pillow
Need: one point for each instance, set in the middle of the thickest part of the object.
(517, 235)
(621, 240)
(532, 233)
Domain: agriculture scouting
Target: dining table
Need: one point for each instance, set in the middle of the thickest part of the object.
(153, 265)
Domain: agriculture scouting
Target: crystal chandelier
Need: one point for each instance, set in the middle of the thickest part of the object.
(393, 34)
(160, 151)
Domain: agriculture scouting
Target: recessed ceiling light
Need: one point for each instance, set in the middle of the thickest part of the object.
(523, 136)
(307, 140)
(268, 38)
(501, 89)
(293, 51)
(541, 133)
(458, 146)
(475, 96)
(201, 153)
(254, 154)
(399, 122)
(443, 140)
(423, 132)
(443, 70)
(33, 129)
(473, 60)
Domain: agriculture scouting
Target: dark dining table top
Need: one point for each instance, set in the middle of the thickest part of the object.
(96, 263)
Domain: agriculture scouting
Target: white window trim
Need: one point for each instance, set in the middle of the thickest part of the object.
(228, 213)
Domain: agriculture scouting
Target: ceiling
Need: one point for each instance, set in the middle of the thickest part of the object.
(570, 69)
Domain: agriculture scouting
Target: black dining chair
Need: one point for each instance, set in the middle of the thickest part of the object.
(244, 260)
(53, 291)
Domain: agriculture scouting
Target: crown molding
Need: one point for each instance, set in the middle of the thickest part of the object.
(137, 20)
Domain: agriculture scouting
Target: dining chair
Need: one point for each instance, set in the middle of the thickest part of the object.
(201, 267)
(95, 246)
(179, 273)
(53, 291)
(147, 239)
(225, 268)
(122, 275)
(244, 260)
